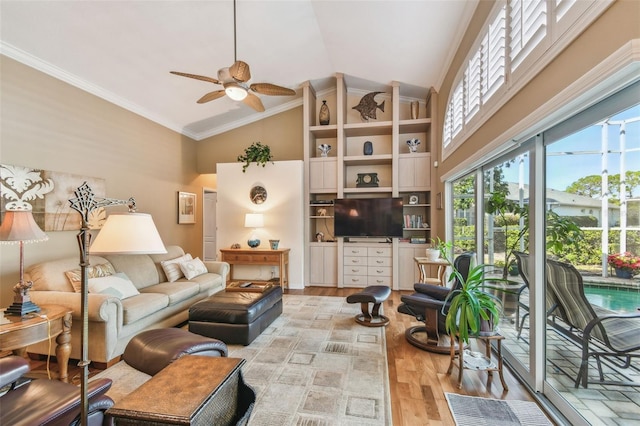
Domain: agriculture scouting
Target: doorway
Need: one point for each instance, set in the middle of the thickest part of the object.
(210, 249)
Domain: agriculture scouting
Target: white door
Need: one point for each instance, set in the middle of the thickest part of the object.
(209, 215)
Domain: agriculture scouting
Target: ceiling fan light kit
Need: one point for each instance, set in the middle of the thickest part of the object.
(234, 80)
(235, 91)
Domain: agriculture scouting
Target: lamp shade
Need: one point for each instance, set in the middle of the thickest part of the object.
(19, 225)
(254, 220)
(128, 233)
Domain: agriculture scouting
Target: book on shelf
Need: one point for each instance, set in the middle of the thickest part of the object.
(418, 240)
(413, 221)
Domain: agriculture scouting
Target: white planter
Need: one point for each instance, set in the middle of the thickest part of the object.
(432, 254)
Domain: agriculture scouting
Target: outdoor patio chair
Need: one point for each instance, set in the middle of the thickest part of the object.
(601, 333)
(551, 301)
(427, 304)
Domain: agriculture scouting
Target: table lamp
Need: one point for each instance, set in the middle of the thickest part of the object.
(255, 221)
(128, 233)
(19, 227)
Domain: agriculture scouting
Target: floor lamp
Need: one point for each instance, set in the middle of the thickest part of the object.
(128, 233)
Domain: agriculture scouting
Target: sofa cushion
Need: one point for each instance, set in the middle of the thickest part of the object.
(207, 282)
(96, 271)
(172, 268)
(177, 291)
(192, 268)
(118, 285)
(172, 253)
(142, 305)
(49, 276)
(139, 268)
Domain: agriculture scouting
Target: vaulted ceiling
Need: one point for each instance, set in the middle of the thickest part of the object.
(123, 51)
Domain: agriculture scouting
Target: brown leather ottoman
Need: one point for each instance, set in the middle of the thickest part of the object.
(236, 317)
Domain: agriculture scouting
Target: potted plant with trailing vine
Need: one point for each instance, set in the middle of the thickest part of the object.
(255, 153)
(472, 309)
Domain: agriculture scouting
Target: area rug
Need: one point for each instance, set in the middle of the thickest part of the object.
(475, 411)
(313, 366)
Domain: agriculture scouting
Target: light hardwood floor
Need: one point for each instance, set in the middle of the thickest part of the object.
(417, 379)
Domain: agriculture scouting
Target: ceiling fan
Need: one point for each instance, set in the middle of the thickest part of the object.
(234, 81)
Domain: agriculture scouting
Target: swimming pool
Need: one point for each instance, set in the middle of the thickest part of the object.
(619, 300)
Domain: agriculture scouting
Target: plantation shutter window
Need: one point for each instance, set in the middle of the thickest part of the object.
(457, 111)
(473, 85)
(446, 131)
(528, 28)
(493, 56)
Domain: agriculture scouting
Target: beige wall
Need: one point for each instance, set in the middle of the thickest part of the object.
(282, 132)
(615, 27)
(48, 124)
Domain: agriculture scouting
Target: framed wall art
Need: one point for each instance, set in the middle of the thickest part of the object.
(186, 208)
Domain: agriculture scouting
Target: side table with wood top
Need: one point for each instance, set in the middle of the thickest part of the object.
(51, 321)
(424, 262)
(258, 257)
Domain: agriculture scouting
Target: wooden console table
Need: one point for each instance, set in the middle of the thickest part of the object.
(33, 328)
(258, 257)
(423, 262)
(193, 390)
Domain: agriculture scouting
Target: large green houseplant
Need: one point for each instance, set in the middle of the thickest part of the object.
(255, 153)
(472, 309)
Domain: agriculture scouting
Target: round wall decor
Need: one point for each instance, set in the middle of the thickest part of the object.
(258, 194)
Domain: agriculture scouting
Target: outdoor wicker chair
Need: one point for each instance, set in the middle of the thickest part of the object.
(601, 333)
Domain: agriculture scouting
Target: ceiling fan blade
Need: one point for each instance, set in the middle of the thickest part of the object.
(197, 77)
(271, 89)
(211, 96)
(254, 102)
(240, 71)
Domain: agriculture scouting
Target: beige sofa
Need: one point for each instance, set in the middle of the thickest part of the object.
(112, 321)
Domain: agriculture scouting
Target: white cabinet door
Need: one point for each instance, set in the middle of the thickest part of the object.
(323, 269)
(408, 273)
(323, 175)
(414, 172)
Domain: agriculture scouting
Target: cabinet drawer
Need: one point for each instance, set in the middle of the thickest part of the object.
(355, 280)
(374, 271)
(236, 257)
(379, 280)
(355, 270)
(379, 251)
(355, 251)
(271, 258)
(379, 261)
(355, 260)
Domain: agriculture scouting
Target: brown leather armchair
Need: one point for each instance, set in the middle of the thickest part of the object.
(47, 402)
(428, 305)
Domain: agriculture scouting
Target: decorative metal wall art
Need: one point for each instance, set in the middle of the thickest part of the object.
(367, 106)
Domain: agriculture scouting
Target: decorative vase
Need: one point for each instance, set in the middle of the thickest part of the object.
(413, 144)
(623, 273)
(415, 110)
(367, 148)
(324, 149)
(324, 115)
(274, 244)
(432, 253)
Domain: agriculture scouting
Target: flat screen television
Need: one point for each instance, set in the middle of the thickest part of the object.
(368, 217)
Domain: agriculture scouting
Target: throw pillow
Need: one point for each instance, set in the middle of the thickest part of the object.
(103, 270)
(193, 268)
(117, 285)
(172, 269)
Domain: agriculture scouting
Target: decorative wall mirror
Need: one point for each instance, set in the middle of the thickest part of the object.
(258, 194)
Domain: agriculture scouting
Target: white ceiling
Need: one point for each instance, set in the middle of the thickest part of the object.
(123, 50)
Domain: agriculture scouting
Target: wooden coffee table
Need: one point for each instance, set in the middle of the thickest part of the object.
(51, 321)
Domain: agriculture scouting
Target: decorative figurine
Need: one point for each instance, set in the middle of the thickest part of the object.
(319, 237)
(367, 106)
(324, 115)
(367, 148)
(322, 212)
(324, 149)
(413, 144)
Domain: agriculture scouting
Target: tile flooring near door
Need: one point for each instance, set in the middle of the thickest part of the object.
(598, 404)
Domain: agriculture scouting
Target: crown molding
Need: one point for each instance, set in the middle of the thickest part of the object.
(25, 58)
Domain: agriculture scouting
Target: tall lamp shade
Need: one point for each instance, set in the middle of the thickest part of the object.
(128, 233)
(19, 227)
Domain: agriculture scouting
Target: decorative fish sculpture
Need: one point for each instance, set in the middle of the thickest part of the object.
(367, 106)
